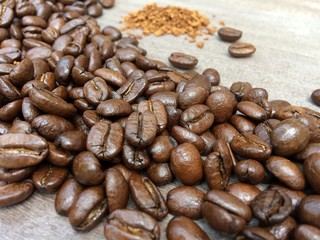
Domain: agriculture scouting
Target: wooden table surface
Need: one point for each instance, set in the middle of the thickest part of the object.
(287, 37)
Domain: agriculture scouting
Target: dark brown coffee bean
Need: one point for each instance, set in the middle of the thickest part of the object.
(309, 210)
(48, 178)
(222, 104)
(117, 189)
(284, 230)
(250, 171)
(112, 32)
(66, 195)
(184, 228)
(63, 69)
(224, 131)
(265, 129)
(15, 175)
(306, 232)
(59, 157)
(22, 73)
(217, 171)
(182, 60)
(286, 171)
(22, 150)
(159, 173)
(90, 117)
(147, 196)
(135, 158)
(88, 209)
(7, 14)
(183, 135)
(229, 34)
(11, 52)
(185, 201)
(257, 233)
(315, 96)
(186, 164)
(245, 192)
(248, 145)
(105, 140)
(162, 147)
(310, 149)
(11, 110)
(240, 50)
(111, 77)
(107, 3)
(252, 110)
(197, 118)
(87, 169)
(51, 126)
(74, 141)
(8, 90)
(141, 128)
(311, 167)
(271, 206)
(95, 91)
(288, 137)
(114, 108)
(224, 212)
(213, 76)
(242, 123)
(133, 89)
(131, 224)
(15, 192)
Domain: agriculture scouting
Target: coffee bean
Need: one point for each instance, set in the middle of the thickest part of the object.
(186, 164)
(213, 76)
(15, 192)
(15, 175)
(306, 232)
(182, 60)
(114, 108)
(271, 206)
(185, 201)
(131, 224)
(22, 150)
(184, 228)
(224, 131)
(107, 3)
(162, 147)
(96, 91)
(315, 96)
(240, 50)
(66, 195)
(229, 34)
(88, 209)
(309, 211)
(242, 123)
(250, 171)
(311, 167)
(243, 191)
(224, 212)
(285, 229)
(147, 196)
(159, 173)
(257, 233)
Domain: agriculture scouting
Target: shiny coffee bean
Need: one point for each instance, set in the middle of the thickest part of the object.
(159, 173)
(240, 50)
(243, 191)
(182, 60)
(311, 167)
(162, 147)
(184, 135)
(114, 108)
(257, 233)
(135, 158)
(15, 192)
(74, 141)
(309, 210)
(306, 232)
(250, 171)
(315, 96)
(284, 230)
(15, 175)
(229, 34)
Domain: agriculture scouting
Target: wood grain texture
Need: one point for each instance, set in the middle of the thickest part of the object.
(286, 63)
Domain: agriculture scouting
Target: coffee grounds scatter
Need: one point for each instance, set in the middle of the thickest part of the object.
(158, 20)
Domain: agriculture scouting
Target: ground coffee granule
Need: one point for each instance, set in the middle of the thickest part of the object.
(158, 20)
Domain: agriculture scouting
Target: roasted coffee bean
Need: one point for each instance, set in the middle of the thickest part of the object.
(8, 90)
(147, 196)
(114, 108)
(224, 212)
(186, 164)
(222, 104)
(112, 32)
(162, 147)
(248, 145)
(141, 128)
(22, 150)
(86, 169)
(135, 158)
(51, 126)
(159, 173)
(184, 228)
(311, 167)
(96, 90)
(310, 149)
(252, 110)
(50, 103)
(107, 3)
(242, 123)
(74, 141)
(182, 60)
(66, 195)
(185, 201)
(133, 89)
(209, 140)
(271, 206)
(117, 189)
(306, 232)
(22, 73)
(286, 171)
(131, 224)
(11, 110)
(309, 210)
(111, 77)
(192, 96)
(245, 192)
(265, 129)
(15, 175)
(90, 117)
(15, 192)
(213, 76)
(48, 178)
(288, 137)
(240, 50)
(315, 96)
(229, 34)
(284, 230)
(105, 140)
(88, 209)
(63, 69)
(59, 157)
(7, 14)
(224, 131)
(257, 233)
(183, 135)
(19, 126)
(217, 171)
(250, 171)
(197, 118)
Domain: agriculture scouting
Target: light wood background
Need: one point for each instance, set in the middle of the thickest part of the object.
(286, 34)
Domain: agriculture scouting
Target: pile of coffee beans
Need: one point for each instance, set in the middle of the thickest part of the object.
(84, 113)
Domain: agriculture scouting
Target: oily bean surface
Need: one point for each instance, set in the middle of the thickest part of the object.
(229, 34)
(241, 50)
